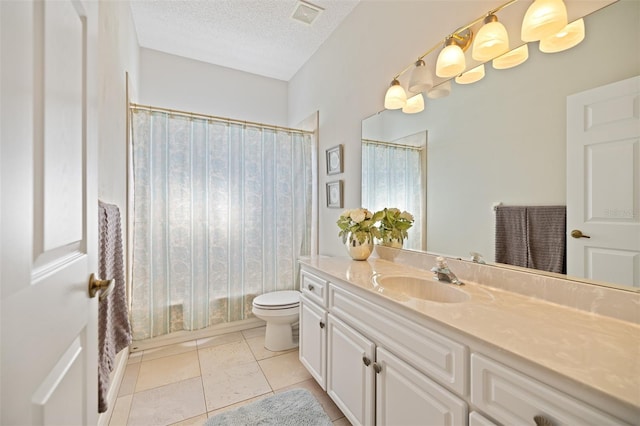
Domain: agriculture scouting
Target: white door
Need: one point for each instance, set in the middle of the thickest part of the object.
(313, 340)
(603, 183)
(404, 396)
(350, 372)
(49, 212)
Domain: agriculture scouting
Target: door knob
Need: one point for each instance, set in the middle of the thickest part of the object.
(95, 285)
(576, 233)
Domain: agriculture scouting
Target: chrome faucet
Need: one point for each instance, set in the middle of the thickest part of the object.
(441, 272)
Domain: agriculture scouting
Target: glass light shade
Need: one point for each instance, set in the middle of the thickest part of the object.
(568, 37)
(513, 58)
(492, 40)
(543, 18)
(421, 78)
(451, 60)
(396, 97)
(414, 104)
(440, 91)
(471, 76)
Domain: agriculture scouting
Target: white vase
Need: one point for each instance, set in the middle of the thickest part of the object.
(359, 248)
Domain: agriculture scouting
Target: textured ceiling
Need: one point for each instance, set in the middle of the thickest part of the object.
(257, 36)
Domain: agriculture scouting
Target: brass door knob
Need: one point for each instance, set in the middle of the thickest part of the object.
(95, 285)
(576, 233)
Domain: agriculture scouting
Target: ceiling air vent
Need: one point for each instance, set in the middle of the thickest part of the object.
(306, 12)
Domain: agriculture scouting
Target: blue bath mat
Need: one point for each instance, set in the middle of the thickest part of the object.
(296, 407)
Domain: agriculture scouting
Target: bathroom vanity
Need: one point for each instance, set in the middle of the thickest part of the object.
(391, 346)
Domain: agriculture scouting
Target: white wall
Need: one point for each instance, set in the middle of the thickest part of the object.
(118, 46)
(346, 80)
(175, 82)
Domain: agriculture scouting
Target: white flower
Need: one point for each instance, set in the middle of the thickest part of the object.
(358, 215)
(406, 215)
(346, 213)
(394, 210)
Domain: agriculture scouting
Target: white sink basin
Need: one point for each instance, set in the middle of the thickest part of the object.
(403, 288)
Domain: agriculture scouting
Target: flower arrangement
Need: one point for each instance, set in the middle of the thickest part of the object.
(360, 223)
(394, 224)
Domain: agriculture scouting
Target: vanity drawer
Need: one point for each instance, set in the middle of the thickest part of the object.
(439, 357)
(314, 287)
(511, 397)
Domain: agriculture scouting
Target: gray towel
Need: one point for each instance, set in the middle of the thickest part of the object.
(511, 235)
(546, 234)
(531, 237)
(114, 330)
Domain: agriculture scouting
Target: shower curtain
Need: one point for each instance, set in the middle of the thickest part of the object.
(392, 176)
(222, 212)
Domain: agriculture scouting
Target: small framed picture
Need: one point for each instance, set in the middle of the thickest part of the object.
(334, 194)
(334, 160)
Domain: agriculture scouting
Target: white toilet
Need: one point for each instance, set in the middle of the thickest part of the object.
(280, 309)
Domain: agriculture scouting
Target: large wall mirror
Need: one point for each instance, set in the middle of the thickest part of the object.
(503, 139)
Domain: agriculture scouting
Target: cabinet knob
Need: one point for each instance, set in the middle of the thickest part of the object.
(321, 324)
(366, 361)
(310, 287)
(377, 368)
(542, 421)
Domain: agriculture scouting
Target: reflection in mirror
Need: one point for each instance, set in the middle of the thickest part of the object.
(394, 175)
(503, 139)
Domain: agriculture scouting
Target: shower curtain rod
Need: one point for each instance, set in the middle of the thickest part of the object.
(395, 145)
(134, 106)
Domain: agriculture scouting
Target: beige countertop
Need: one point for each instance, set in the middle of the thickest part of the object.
(600, 352)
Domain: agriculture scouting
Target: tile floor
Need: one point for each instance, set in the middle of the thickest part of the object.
(186, 383)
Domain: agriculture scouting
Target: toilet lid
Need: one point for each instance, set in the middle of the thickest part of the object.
(278, 299)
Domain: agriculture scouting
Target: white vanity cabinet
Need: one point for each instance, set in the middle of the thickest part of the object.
(383, 364)
(313, 326)
(368, 382)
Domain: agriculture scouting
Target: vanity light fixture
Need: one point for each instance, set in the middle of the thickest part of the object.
(491, 41)
(471, 76)
(421, 78)
(568, 37)
(414, 104)
(396, 97)
(512, 58)
(543, 19)
(451, 61)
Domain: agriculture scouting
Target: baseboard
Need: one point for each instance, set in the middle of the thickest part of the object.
(185, 336)
(116, 379)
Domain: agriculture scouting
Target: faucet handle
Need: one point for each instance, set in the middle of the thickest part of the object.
(476, 257)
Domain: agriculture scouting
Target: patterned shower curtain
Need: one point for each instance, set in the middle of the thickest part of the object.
(392, 176)
(221, 214)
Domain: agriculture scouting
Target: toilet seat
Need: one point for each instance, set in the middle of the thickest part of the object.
(277, 300)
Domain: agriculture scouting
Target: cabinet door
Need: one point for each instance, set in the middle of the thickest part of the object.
(404, 396)
(350, 373)
(313, 340)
